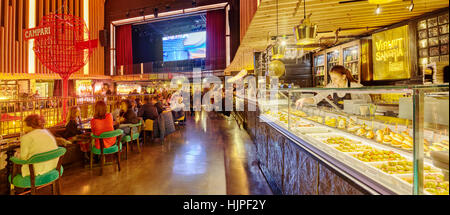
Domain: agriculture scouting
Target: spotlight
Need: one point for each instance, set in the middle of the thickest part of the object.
(141, 12)
(378, 10)
(283, 43)
(411, 6)
(155, 13)
(127, 14)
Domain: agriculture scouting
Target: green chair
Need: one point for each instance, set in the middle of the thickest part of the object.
(35, 182)
(114, 149)
(133, 136)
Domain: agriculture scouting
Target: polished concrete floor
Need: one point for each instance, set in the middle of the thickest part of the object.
(209, 155)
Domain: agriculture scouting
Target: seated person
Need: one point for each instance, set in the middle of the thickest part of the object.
(116, 111)
(36, 140)
(149, 110)
(128, 116)
(159, 105)
(177, 107)
(102, 122)
(73, 131)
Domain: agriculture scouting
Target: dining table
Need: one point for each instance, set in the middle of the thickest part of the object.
(9, 148)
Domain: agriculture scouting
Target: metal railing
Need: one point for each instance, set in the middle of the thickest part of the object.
(13, 112)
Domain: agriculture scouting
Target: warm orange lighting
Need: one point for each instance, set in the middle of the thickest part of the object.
(31, 24)
(383, 1)
(86, 19)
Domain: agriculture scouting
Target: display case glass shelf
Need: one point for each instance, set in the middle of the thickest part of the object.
(403, 148)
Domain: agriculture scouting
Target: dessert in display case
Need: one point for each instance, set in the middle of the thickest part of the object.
(319, 70)
(405, 153)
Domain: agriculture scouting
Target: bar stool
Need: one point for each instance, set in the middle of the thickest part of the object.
(114, 149)
(33, 181)
(148, 126)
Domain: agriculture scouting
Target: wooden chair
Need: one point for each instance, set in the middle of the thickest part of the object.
(148, 127)
(132, 137)
(114, 149)
(33, 181)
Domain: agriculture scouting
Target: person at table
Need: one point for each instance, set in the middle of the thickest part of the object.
(340, 78)
(102, 122)
(128, 116)
(35, 141)
(149, 110)
(116, 111)
(73, 131)
(177, 107)
(159, 104)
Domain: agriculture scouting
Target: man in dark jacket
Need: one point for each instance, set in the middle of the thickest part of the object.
(149, 110)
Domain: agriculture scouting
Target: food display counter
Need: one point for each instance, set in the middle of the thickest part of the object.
(322, 149)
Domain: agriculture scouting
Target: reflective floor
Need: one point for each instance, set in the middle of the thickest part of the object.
(209, 155)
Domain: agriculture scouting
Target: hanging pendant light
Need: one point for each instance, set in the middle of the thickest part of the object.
(306, 32)
(279, 48)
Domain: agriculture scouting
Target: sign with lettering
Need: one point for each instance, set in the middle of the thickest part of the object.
(391, 54)
(34, 33)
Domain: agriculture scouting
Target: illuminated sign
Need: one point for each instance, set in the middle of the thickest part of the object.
(33, 33)
(391, 54)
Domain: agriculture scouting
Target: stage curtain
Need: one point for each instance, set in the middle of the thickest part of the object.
(215, 40)
(124, 49)
(57, 88)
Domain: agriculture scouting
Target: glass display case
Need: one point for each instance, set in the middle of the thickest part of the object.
(404, 149)
(351, 60)
(319, 70)
(333, 58)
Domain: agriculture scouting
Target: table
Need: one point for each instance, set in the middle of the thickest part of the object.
(9, 148)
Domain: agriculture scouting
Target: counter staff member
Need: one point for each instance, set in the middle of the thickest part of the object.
(340, 78)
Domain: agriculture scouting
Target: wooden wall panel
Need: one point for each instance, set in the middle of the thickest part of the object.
(14, 17)
(247, 11)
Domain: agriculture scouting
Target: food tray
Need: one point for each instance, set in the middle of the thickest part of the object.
(306, 130)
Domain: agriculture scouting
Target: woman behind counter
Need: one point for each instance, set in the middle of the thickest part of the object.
(340, 78)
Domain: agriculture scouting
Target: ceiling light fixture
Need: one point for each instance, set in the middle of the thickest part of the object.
(278, 49)
(378, 10)
(306, 32)
(411, 6)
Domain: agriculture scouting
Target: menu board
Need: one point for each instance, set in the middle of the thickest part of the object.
(391, 54)
(24, 86)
